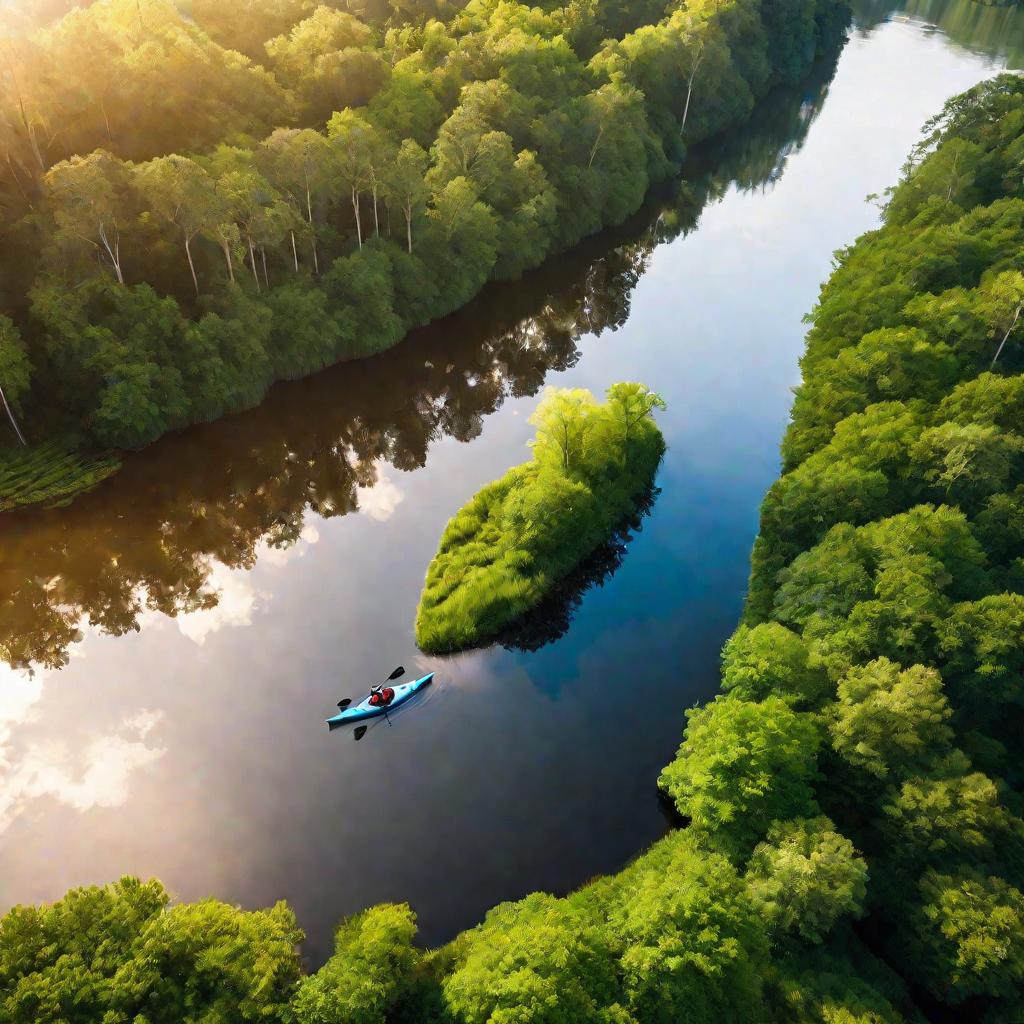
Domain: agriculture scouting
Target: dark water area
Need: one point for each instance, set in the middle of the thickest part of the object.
(177, 637)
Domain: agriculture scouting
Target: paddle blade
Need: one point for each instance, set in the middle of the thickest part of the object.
(344, 703)
(397, 673)
(360, 732)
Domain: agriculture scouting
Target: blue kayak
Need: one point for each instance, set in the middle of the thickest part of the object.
(364, 709)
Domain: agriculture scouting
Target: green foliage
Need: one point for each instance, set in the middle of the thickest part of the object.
(119, 954)
(373, 959)
(540, 961)
(892, 551)
(505, 550)
(966, 935)
(805, 876)
(769, 660)
(217, 163)
(841, 983)
(741, 766)
(15, 369)
(886, 720)
(692, 940)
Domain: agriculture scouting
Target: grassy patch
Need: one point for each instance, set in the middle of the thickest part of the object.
(509, 548)
(50, 474)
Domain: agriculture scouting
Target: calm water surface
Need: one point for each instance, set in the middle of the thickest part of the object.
(189, 625)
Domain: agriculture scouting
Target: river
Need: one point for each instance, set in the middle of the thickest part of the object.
(177, 637)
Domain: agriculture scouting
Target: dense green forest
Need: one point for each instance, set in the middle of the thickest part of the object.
(505, 551)
(208, 197)
(886, 607)
(852, 849)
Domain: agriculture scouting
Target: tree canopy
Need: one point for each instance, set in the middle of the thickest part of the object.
(373, 164)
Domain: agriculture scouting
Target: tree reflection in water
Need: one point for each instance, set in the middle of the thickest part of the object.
(148, 539)
(994, 30)
(551, 619)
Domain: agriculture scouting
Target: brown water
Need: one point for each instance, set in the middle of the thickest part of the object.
(189, 625)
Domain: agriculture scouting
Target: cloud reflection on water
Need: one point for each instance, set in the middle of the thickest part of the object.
(36, 762)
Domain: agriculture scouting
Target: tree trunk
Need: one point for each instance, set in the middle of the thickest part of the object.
(113, 253)
(263, 259)
(10, 416)
(595, 147)
(252, 263)
(408, 227)
(16, 178)
(376, 221)
(689, 88)
(359, 225)
(227, 256)
(295, 253)
(999, 351)
(686, 109)
(30, 132)
(106, 120)
(312, 231)
(191, 265)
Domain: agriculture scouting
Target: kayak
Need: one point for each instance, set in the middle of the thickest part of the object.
(364, 709)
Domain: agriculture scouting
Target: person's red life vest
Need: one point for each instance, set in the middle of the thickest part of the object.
(389, 695)
(375, 699)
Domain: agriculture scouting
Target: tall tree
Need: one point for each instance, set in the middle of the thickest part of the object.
(299, 162)
(355, 144)
(181, 192)
(405, 182)
(89, 199)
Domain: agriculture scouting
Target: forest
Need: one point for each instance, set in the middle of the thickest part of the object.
(850, 841)
(211, 197)
(517, 538)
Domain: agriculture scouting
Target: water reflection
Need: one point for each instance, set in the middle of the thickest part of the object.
(995, 32)
(96, 776)
(551, 619)
(162, 537)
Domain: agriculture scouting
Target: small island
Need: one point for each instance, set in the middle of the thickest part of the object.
(504, 551)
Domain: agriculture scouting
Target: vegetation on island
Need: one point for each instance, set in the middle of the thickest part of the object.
(506, 550)
(212, 196)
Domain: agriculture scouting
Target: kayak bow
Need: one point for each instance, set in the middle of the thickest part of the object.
(364, 709)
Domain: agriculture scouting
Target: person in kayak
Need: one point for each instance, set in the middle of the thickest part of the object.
(381, 696)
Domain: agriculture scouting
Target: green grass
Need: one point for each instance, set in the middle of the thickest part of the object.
(510, 547)
(50, 474)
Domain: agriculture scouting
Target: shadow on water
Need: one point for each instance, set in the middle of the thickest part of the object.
(148, 540)
(551, 619)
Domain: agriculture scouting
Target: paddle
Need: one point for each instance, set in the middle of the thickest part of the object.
(394, 675)
(360, 732)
